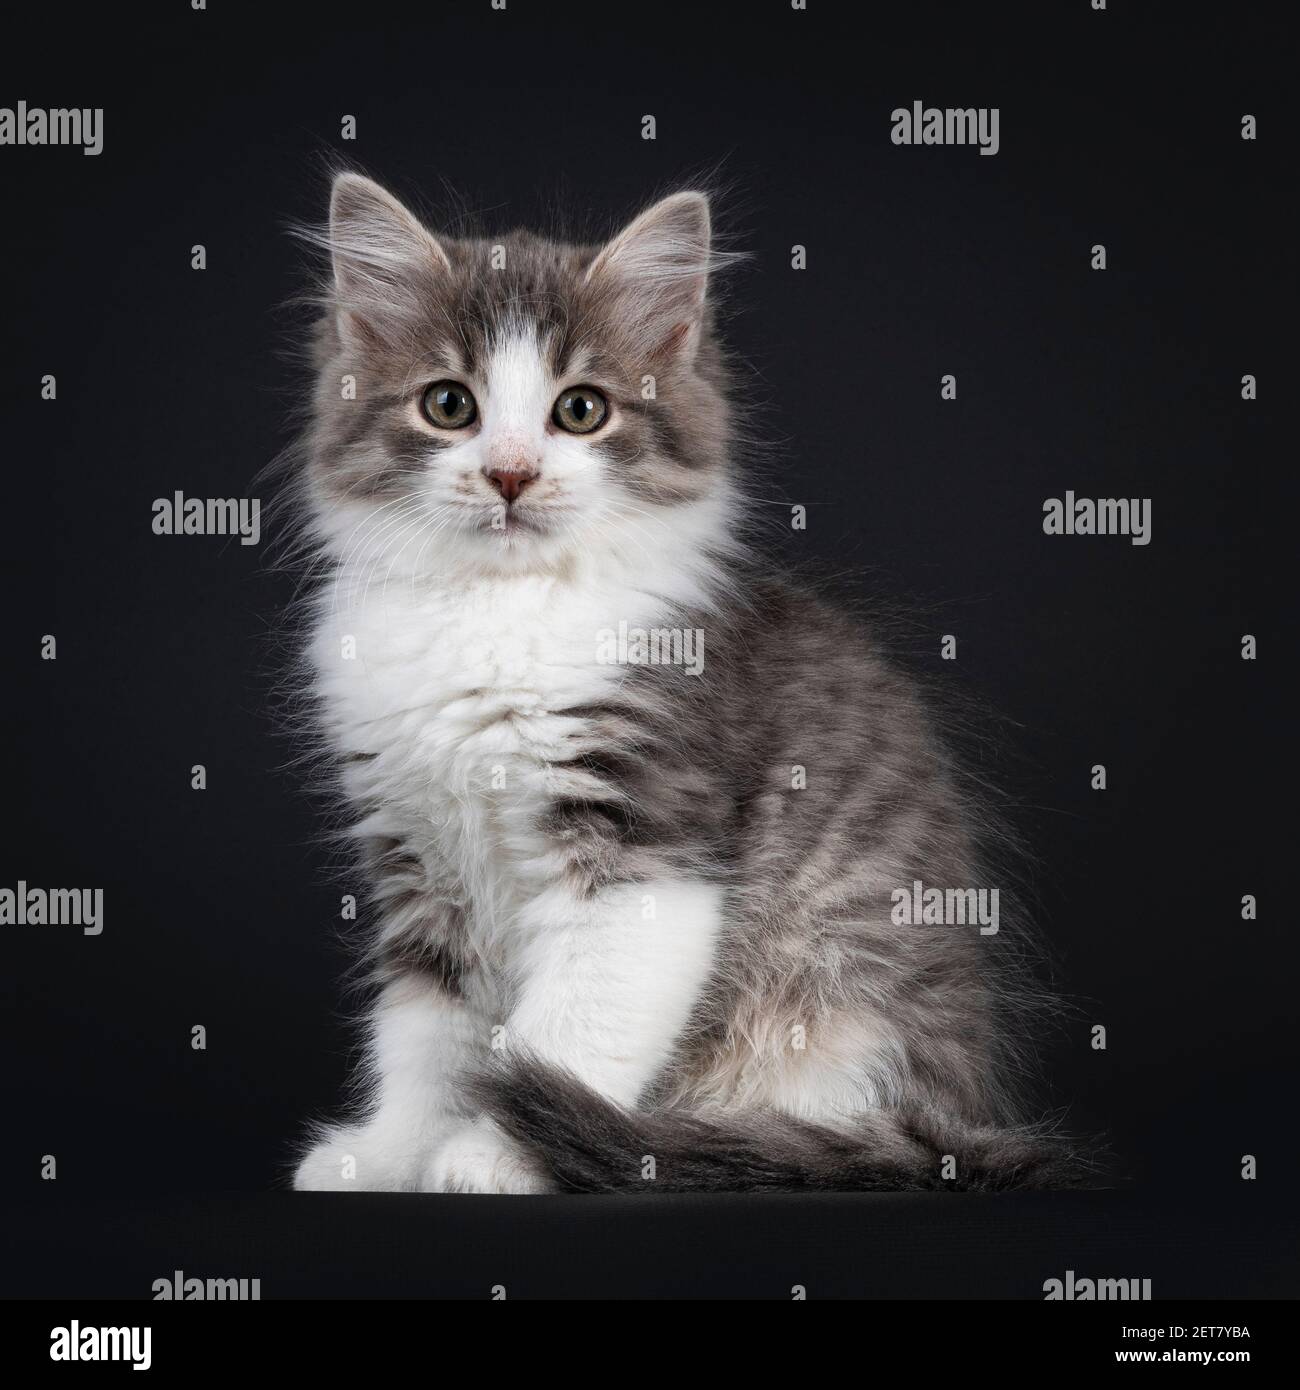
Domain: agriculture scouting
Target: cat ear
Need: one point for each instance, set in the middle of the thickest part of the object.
(386, 264)
(656, 271)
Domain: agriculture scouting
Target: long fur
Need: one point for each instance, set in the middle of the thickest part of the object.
(515, 802)
(586, 1144)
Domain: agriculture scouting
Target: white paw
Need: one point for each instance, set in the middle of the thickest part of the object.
(481, 1159)
(357, 1159)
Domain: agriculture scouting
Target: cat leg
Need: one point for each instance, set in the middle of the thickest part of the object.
(606, 986)
(422, 1036)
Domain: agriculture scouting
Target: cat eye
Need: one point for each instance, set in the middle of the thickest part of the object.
(581, 410)
(449, 405)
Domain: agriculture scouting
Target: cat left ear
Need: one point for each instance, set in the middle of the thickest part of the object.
(657, 273)
(386, 263)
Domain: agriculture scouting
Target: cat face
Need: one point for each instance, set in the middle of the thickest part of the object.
(516, 402)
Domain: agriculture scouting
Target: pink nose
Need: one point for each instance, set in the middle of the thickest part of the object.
(510, 482)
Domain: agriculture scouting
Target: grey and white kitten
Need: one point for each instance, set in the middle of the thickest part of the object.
(635, 920)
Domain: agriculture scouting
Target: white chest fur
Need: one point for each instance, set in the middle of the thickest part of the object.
(455, 697)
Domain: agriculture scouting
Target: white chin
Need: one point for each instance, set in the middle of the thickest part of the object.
(520, 528)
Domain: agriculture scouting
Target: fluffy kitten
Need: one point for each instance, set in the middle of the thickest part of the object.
(634, 922)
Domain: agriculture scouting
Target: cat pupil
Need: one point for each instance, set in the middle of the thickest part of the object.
(580, 408)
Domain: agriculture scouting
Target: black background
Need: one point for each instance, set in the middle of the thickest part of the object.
(1120, 127)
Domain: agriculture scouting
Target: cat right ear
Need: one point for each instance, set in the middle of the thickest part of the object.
(386, 264)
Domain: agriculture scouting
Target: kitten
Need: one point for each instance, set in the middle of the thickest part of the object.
(636, 916)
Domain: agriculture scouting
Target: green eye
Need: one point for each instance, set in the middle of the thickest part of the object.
(449, 405)
(581, 410)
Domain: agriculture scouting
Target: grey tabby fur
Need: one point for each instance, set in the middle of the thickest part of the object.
(692, 776)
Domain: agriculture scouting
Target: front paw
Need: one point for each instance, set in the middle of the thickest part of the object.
(358, 1158)
(481, 1159)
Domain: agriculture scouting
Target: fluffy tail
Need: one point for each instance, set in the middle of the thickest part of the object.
(588, 1144)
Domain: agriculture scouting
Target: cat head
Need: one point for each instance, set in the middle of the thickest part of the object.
(518, 403)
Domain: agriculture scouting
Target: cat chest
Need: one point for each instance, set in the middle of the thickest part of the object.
(490, 755)
(464, 717)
